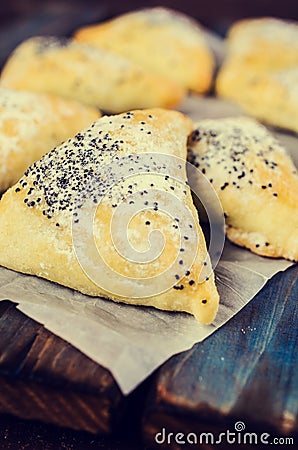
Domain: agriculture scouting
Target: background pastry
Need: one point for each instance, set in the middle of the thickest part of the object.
(89, 75)
(256, 181)
(160, 40)
(39, 216)
(260, 70)
(264, 43)
(271, 97)
(31, 124)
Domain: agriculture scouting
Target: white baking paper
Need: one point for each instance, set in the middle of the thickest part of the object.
(133, 341)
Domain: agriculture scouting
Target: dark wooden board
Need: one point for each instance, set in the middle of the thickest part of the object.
(43, 377)
(246, 371)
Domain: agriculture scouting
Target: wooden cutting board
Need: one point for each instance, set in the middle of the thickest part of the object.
(43, 377)
(247, 371)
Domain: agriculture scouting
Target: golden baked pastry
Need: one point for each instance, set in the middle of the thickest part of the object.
(82, 192)
(91, 76)
(260, 72)
(264, 43)
(31, 124)
(256, 181)
(271, 97)
(160, 40)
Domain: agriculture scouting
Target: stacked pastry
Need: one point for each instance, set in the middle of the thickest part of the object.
(261, 70)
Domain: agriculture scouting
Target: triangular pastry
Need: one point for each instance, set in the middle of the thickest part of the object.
(256, 181)
(160, 40)
(89, 75)
(32, 124)
(109, 213)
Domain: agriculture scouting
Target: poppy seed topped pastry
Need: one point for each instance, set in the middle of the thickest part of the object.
(109, 213)
(256, 181)
(31, 124)
(163, 41)
(91, 76)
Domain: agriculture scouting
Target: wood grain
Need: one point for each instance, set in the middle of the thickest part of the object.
(43, 377)
(247, 370)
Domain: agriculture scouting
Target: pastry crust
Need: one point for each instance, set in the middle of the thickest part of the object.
(264, 43)
(160, 40)
(38, 214)
(31, 124)
(256, 181)
(91, 76)
(271, 97)
(261, 70)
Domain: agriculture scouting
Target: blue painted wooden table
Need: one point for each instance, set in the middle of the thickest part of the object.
(244, 375)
